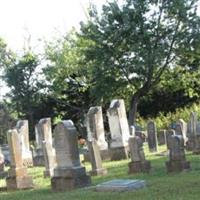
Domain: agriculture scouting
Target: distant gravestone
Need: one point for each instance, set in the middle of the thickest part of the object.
(169, 133)
(119, 130)
(152, 136)
(47, 146)
(95, 159)
(17, 174)
(162, 137)
(196, 140)
(138, 162)
(120, 185)
(181, 129)
(69, 173)
(177, 161)
(23, 131)
(95, 130)
(2, 163)
(38, 158)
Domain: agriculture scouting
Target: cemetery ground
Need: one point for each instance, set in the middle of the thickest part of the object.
(160, 185)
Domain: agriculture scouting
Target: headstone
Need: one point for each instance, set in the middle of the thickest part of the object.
(138, 162)
(196, 139)
(47, 146)
(177, 161)
(119, 130)
(142, 135)
(2, 163)
(152, 136)
(162, 137)
(69, 173)
(95, 130)
(120, 185)
(169, 133)
(95, 159)
(132, 130)
(181, 129)
(23, 131)
(17, 175)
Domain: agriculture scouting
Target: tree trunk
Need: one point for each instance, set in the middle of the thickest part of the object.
(133, 109)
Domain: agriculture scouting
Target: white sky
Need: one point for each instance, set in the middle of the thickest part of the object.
(40, 18)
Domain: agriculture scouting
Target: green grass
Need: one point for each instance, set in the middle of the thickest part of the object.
(160, 185)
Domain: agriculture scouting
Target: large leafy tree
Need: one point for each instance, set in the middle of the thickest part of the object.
(133, 43)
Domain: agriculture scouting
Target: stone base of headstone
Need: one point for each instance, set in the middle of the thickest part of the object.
(177, 166)
(68, 179)
(38, 161)
(98, 172)
(137, 167)
(119, 153)
(105, 155)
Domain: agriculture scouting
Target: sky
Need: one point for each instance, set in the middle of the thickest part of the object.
(39, 19)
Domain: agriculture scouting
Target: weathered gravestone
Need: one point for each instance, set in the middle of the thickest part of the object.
(17, 174)
(169, 133)
(161, 137)
(191, 131)
(196, 147)
(69, 173)
(138, 162)
(181, 129)
(177, 161)
(119, 130)
(95, 159)
(120, 185)
(23, 131)
(38, 158)
(95, 130)
(152, 136)
(47, 146)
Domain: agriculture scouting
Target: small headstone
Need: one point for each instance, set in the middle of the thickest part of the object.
(162, 137)
(95, 159)
(177, 161)
(17, 174)
(23, 131)
(69, 173)
(196, 139)
(138, 162)
(120, 185)
(47, 146)
(169, 133)
(152, 136)
(119, 129)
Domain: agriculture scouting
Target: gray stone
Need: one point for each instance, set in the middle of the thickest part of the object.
(23, 131)
(169, 133)
(161, 137)
(119, 130)
(17, 174)
(138, 162)
(177, 161)
(181, 129)
(2, 163)
(95, 159)
(69, 174)
(120, 185)
(152, 136)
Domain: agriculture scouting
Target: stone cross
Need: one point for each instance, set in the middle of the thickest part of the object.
(69, 173)
(95, 159)
(152, 136)
(47, 146)
(138, 162)
(23, 131)
(119, 129)
(17, 174)
(177, 161)
(95, 127)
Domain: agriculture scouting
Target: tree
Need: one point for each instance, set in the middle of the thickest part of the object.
(134, 43)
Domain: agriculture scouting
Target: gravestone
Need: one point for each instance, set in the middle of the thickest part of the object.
(95, 130)
(177, 161)
(2, 163)
(95, 159)
(181, 129)
(69, 173)
(138, 162)
(23, 131)
(47, 146)
(120, 185)
(152, 136)
(38, 154)
(17, 174)
(196, 144)
(132, 130)
(119, 130)
(169, 133)
(162, 137)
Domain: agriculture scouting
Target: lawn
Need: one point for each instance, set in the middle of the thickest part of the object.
(160, 185)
